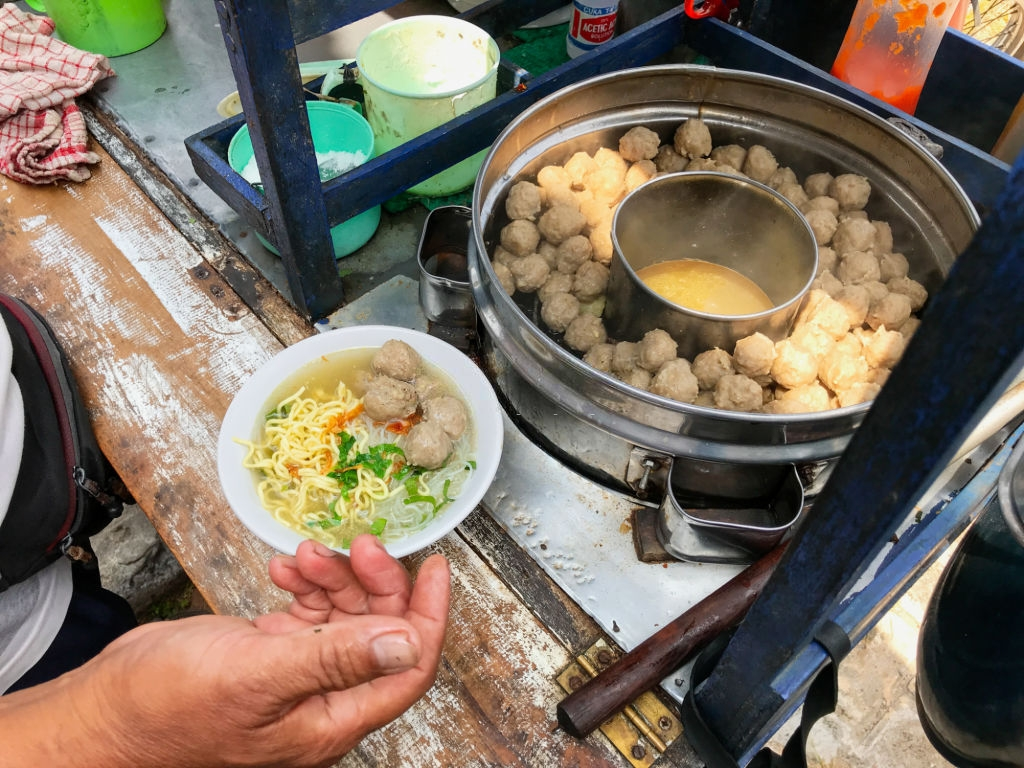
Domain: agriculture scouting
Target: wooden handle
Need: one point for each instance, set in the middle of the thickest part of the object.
(669, 648)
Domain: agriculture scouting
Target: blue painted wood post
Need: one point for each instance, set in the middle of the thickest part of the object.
(954, 368)
(261, 48)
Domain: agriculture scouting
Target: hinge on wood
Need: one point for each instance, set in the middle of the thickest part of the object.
(644, 728)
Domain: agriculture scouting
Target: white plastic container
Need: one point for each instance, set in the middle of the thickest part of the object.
(591, 24)
(420, 72)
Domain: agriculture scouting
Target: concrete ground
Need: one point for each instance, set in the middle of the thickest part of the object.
(875, 724)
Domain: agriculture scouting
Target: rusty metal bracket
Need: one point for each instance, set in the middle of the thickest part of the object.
(644, 728)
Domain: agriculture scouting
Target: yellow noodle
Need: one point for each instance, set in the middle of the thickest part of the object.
(299, 448)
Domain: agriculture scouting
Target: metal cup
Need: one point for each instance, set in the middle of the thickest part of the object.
(445, 293)
(728, 220)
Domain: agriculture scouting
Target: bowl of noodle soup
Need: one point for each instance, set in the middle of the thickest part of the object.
(304, 453)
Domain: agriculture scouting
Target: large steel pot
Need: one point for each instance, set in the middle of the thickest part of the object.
(617, 433)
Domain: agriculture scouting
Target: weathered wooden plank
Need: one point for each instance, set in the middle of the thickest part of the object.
(159, 344)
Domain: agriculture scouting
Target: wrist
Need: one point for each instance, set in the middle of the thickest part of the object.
(54, 724)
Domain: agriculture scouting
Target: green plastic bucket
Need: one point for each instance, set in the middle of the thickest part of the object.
(334, 128)
(109, 27)
(420, 72)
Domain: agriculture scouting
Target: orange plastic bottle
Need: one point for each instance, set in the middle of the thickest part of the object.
(890, 45)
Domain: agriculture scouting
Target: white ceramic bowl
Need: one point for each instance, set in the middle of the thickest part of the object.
(246, 412)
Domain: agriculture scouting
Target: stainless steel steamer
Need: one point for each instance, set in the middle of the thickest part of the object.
(629, 439)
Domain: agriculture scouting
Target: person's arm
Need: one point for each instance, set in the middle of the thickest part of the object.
(358, 646)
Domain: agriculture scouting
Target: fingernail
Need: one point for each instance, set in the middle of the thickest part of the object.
(394, 652)
(323, 550)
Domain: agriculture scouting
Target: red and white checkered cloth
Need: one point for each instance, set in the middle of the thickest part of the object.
(43, 136)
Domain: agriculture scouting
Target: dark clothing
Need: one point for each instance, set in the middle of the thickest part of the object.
(95, 617)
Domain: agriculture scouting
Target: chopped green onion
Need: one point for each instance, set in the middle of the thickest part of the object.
(378, 525)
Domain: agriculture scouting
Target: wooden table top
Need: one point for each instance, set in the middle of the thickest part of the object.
(159, 342)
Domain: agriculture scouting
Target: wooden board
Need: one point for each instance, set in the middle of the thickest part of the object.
(159, 342)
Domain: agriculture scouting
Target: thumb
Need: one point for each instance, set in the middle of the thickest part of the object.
(337, 656)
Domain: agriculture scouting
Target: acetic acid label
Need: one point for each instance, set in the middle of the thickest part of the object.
(592, 25)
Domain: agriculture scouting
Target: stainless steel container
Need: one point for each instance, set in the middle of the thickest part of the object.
(445, 294)
(628, 438)
(728, 220)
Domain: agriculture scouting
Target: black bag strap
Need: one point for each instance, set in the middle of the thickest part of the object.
(821, 699)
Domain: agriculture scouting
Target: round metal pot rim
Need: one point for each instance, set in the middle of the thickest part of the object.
(832, 429)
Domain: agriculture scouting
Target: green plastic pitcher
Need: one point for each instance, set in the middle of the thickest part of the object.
(110, 27)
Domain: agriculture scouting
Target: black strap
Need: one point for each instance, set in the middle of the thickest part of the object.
(821, 699)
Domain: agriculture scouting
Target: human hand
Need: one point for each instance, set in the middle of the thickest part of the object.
(358, 645)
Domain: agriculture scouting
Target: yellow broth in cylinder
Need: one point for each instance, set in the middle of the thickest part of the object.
(705, 287)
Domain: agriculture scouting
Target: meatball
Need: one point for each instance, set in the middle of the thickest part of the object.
(823, 224)
(530, 272)
(590, 281)
(702, 164)
(655, 349)
(813, 339)
(600, 357)
(711, 365)
(449, 412)
(557, 282)
(793, 192)
(861, 392)
(606, 184)
(669, 161)
(559, 310)
(892, 311)
(892, 265)
(827, 282)
(639, 172)
(823, 311)
(854, 235)
(760, 164)
(856, 301)
(839, 370)
(584, 332)
(428, 386)
(852, 191)
(883, 237)
(548, 252)
(910, 288)
(520, 237)
(552, 176)
(827, 259)
(524, 201)
(639, 143)
(805, 399)
(858, 267)
(818, 184)
(387, 399)
(822, 203)
(396, 359)
(793, 365)
(578, 166)
(428, 445)
(674, 379)
(782, 176)
(502, 255)
(596, 212)
(692, 138)
(624, 356)
(506, 279)
(753, 355)
(736, 392)
(601, 240)
(572, 252)
(560, 222)
(883, 348)
(637, 377)
(730, 154)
